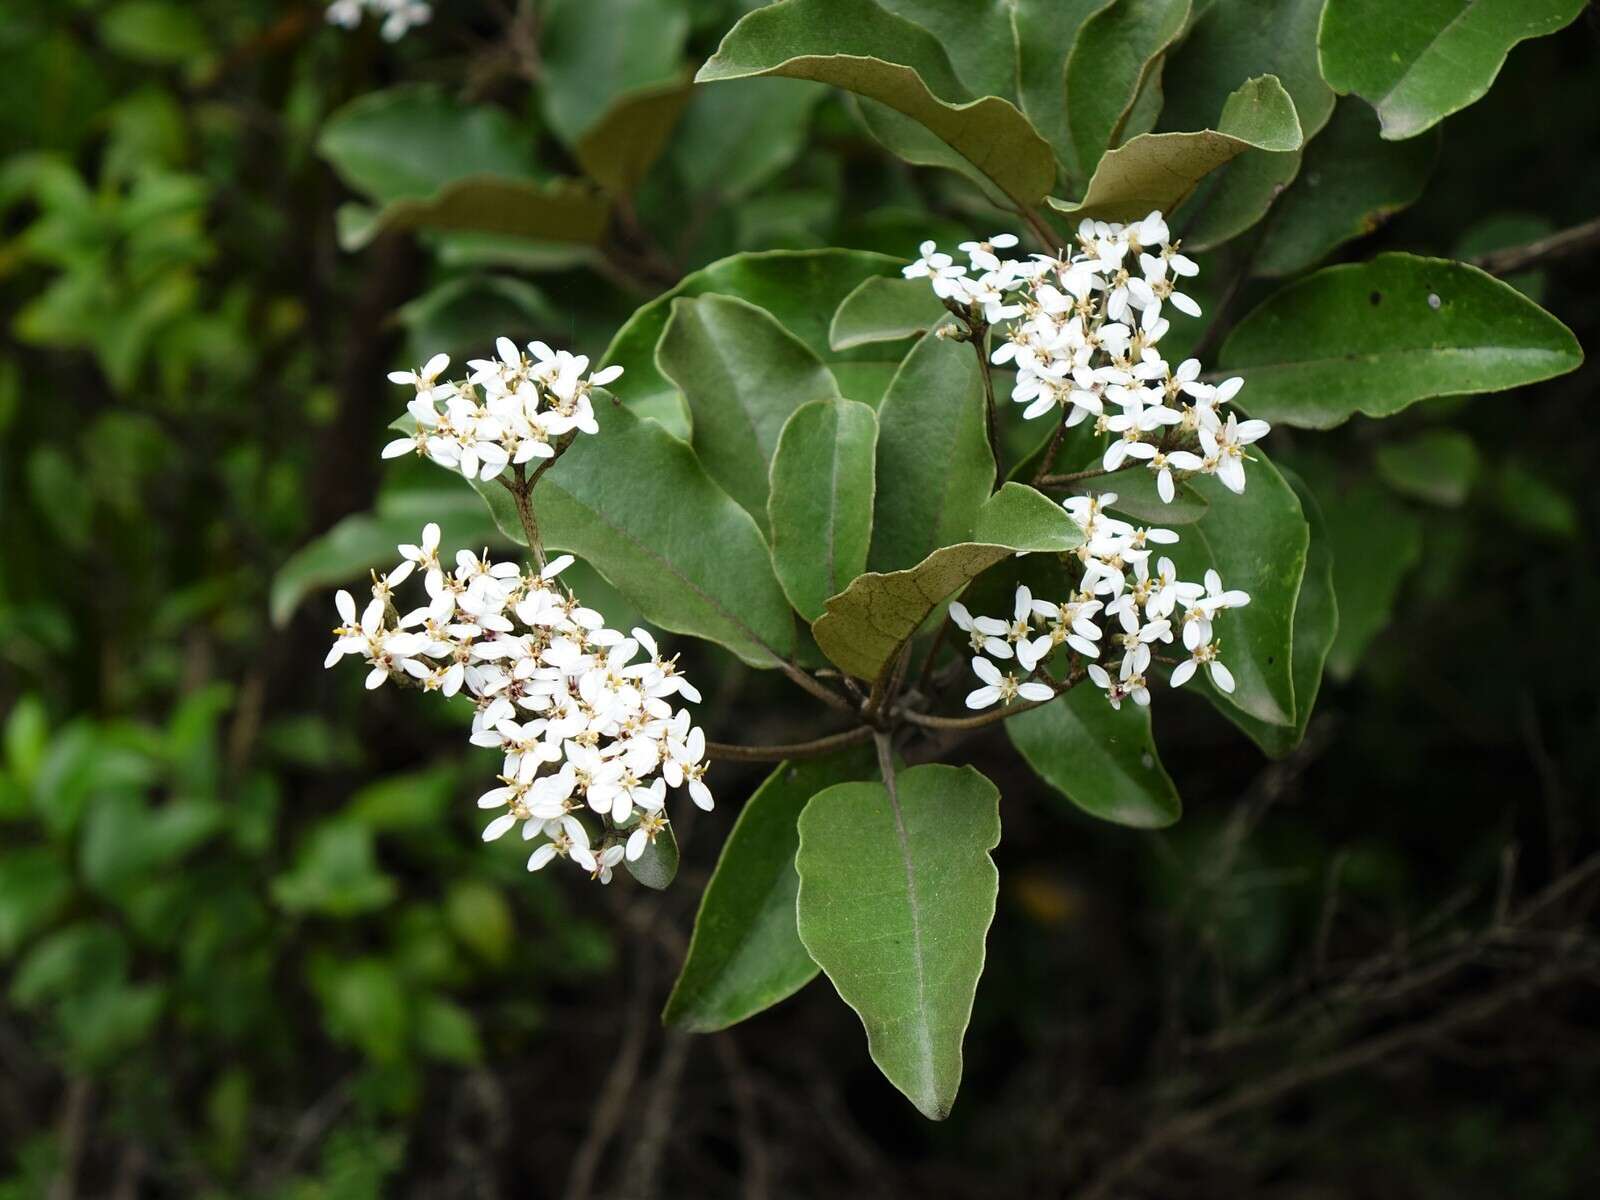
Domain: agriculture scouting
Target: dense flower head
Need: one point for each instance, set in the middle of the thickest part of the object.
(1082, 328)
(510, 410)
(1114, 623)
(398, 17)
(584, 716)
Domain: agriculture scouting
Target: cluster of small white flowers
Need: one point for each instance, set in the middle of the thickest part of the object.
(1082, 330)
(510, 410)
(1115, 584)
(582, 720)
(399, 17)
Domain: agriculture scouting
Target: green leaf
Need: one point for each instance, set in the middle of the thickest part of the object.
(335, 874)
(1377, 337)
(1230, 41)
(801, 289)
(746, 954)
(857, 46)
(1351, 182)
(1115, 51)
(34, 887)
(125, 841)
(154, 31)
(1439, 466)
(657, 867)
(1137, 497)
(594, 52)
(1157, 170)
(1101, 758)
(1257, 542)
(884, 309)
(1376, 542)
(1316, 624)
(367, 541)
(365, 1003)
(1418, 65)
(934, 465)
(743, 375)
(1045, 32)
(866, 624)
(625, 142)
(638, 507)
(736, 137)
(425, 159)
(481, 920)
(975, 34)
(447, 1032)
(821, 501)
(897, 891)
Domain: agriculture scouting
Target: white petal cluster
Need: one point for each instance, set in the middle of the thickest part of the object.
(509, 410)
(584, 715)
(1082, 331)
(399, 17)
(1114, 621)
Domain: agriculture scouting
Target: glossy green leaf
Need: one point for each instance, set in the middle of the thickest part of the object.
(1376, 542)
(743, 375)
(1101, 758)
(885, 309)
(1137, 497)
(1350, 183)
(802, 289)
(859, 46)
(366, 542)
(592, 53)
(866, 624)
(737, 136)
(620, 148)
(1377, 337)
(1316, 624)
(897, 891)
(934, 465)
(1439, 466)
(636, 505)
(1418, 63)
(1113, 55)
(1157, 170)
(1257, 542)
(425, 159)
(657, 867)
(1045, 32)
(823, 480)
(745, 954)
(1233, 40)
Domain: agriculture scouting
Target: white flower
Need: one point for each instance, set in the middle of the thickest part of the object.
(1003, 688)
(986, 634)
(1204, 655)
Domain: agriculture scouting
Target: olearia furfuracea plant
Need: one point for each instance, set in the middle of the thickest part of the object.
(587, 719)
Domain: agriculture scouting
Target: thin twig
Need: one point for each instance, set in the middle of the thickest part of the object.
(815, 748)
(1511, 259)
(1071, 478)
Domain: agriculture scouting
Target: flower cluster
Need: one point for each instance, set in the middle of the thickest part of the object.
(509, 411)
(583, 714)
(1082, 330)
(398, 16)
(1120, 606)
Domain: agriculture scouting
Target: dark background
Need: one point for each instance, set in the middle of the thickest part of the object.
(281, 964)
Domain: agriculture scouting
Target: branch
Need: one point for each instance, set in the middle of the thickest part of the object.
(993, 716)
(1556, 245)
(815, 748)
(1073, 477)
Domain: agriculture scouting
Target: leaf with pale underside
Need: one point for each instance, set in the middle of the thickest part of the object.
(743, 375)
(859, 46)
(897, 892)
(821, 502)
(1418, 62)
(1378, 336)
(1157, 170)
(620, 148)
(866, 624)
(1103, 759)
(745, 954)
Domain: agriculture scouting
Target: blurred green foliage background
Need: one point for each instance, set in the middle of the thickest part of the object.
(250, 942)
